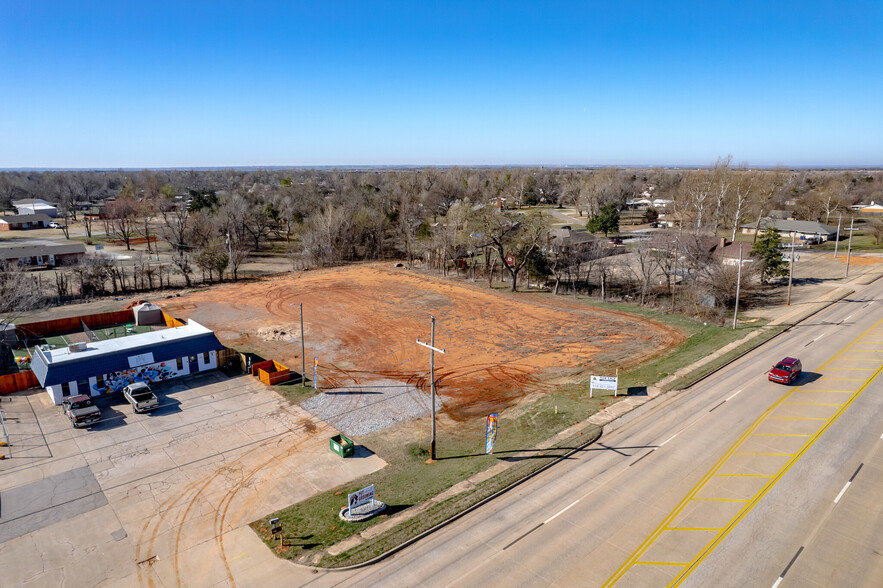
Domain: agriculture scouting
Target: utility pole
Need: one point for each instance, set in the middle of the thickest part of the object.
(790, 270)
(432, 350)
(230, 254)
(738, 283)
(303, 355)
(849, 245)
(674, 283)
(837, 240)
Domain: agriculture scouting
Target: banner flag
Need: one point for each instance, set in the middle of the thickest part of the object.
(491, 433)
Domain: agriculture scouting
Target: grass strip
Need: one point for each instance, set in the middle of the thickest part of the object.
(312, 526)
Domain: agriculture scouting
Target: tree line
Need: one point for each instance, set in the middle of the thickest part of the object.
(480, 222)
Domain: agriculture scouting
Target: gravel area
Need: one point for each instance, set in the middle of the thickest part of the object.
(366, 408)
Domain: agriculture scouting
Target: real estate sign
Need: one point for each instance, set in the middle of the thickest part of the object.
(604, 382)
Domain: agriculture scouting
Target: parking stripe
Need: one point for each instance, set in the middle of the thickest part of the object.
(733, 450)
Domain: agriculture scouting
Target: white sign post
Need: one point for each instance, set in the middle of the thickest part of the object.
(604, 383)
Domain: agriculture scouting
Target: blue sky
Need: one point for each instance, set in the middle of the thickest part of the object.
(153, 84)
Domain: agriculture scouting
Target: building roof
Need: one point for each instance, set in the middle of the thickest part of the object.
(30, 201)
(788, 226)
(113, 355)
(25, 218)
(32, 250)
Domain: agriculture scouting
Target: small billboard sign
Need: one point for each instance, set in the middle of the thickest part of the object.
(510, 260)
(363, 496)
(604, 383)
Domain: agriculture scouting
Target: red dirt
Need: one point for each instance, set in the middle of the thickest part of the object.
(362, 323)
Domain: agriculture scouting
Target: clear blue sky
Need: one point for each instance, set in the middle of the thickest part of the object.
(154, 84)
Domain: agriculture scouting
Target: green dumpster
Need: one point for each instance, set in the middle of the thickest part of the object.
(342, 445)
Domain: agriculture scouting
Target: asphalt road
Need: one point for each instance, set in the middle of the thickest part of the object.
(737, 482)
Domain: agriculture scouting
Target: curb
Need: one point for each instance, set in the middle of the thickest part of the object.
(608, 427)
(460, 514)
(763, 342)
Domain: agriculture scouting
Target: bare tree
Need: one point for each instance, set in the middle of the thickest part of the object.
(19, 292)
(512, 237)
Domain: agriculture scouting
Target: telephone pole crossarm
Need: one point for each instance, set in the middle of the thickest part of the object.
(432, 349)
(419, 342)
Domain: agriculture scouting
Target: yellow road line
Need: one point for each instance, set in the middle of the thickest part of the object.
(660, 563)
(645, 545)
(842, 379)
(744, 475)
(694, 528)
(758, 453)
(840, 391)
(855, 359)
(853, 369)
(720, 499)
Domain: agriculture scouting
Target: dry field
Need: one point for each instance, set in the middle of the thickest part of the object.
(362, 323)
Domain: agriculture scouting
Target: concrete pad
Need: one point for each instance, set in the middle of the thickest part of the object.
(46, 502)
(174, 485)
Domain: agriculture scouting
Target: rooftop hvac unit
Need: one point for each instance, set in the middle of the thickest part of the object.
(74, 347)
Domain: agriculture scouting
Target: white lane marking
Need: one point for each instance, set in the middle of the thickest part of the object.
(669, 439)
(734, 395)
(560, 512)
(881, 436)
(847, 318)
(820, 336)
(779, 581)
(839, 496)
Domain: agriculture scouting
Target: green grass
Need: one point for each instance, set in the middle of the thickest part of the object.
(313, 525)
(715, 364)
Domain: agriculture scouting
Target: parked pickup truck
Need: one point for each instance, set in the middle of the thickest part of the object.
(140, 397)
(81, 411)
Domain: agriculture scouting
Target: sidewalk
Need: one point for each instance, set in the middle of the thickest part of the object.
(809, 301)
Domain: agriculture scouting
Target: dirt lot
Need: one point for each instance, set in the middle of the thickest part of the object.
(362, 322)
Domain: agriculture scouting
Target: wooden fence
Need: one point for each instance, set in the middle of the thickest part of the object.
(18, 381)
(72, 324)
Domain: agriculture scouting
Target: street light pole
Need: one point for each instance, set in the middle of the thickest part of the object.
(849, 245)
(432, 350)
(790, 270)
(738, 283)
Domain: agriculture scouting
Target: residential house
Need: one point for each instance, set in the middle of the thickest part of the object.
(16, 222)
(802, 231)
(43, 255)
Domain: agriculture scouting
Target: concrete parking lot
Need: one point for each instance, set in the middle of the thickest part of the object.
(158, 499)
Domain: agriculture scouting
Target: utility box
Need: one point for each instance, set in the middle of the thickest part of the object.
(342, 445)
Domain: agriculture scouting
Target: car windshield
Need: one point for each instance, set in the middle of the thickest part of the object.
(783, 367)
(81, 404)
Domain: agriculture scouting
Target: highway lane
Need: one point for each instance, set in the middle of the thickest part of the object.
(580, 521)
